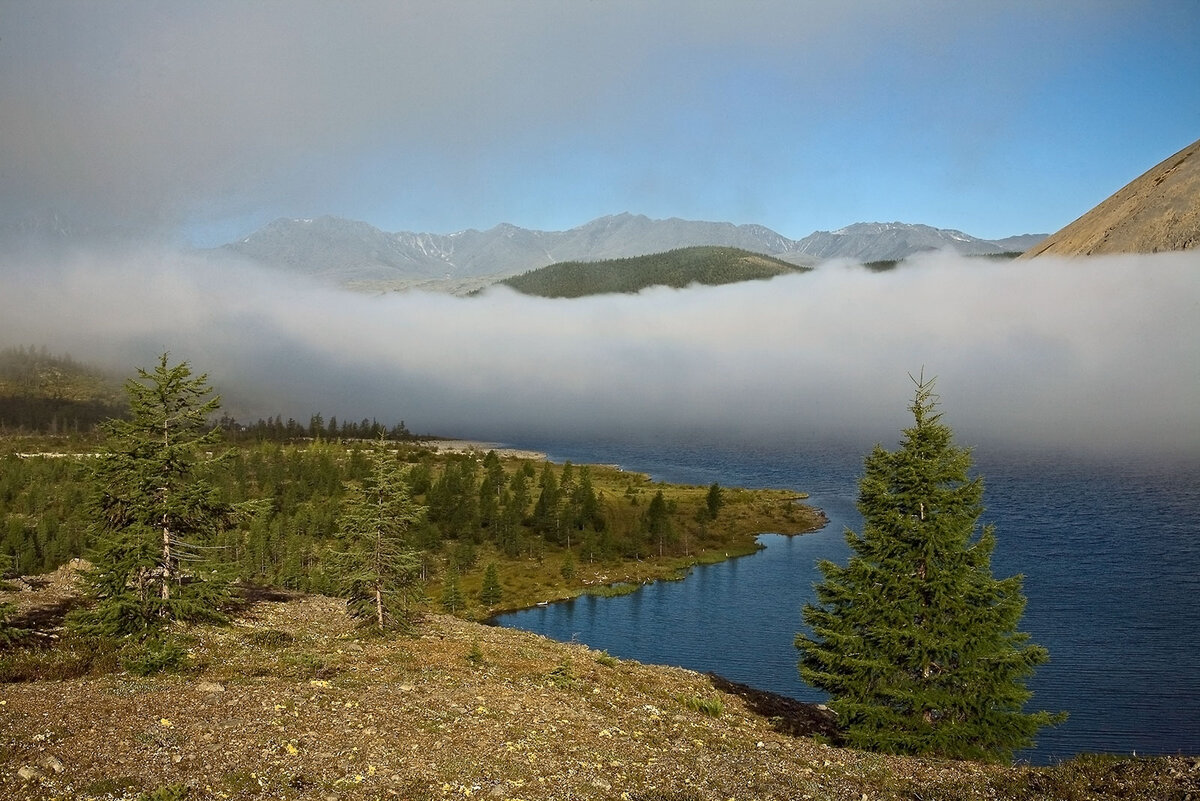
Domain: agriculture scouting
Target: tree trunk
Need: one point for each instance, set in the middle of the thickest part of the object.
(166, 529)
(167, 572)
(379, 607)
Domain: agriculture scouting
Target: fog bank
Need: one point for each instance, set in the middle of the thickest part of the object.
(1098, 354)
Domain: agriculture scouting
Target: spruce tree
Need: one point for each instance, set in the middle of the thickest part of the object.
(914, 640)
(378, 571)
(156, 513)
(713, 501)
(657, 521)
(452, 597)
(491, 592)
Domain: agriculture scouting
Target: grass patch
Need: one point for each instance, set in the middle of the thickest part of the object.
(155, 655)
(613, 590)
(563, 675)
(607, 659)
(117, 786)
(68, 659)
(305, 665)
(713, 707)
(166, 792)
(269, 638)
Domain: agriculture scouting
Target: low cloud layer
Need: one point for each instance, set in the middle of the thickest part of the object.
(1097, 354)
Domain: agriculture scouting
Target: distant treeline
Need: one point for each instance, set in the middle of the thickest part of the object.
(274, 429)
(886, 265)
(675, 268)
(513, 508)
(44, 393)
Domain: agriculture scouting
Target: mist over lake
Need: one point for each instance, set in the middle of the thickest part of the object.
(1095, 355)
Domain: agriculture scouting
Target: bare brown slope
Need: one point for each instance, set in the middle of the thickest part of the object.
(1159, 210)
(292, 703)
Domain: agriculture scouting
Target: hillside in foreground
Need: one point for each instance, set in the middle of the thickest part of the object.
(675, 268)
(290, 702)
(1157, 211)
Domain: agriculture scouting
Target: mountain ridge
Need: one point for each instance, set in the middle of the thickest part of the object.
(359, 255)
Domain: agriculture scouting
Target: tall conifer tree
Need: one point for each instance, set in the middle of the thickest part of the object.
(378, 569)
(157, 515)
(914, 640)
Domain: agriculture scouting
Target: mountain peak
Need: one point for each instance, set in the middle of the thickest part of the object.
(891, 241)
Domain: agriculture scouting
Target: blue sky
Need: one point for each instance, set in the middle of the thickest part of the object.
(205, 120)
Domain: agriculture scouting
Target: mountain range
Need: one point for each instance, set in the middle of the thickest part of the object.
(359, 255)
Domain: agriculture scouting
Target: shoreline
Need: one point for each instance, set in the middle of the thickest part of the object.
(750, 513)
(668, 572)
(450, 445)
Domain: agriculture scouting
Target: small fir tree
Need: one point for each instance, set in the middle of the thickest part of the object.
(452, 597)
(157, 514)
(490, 593)
(378, 571)
(9, 634)
(568, 568)
(714, 501)
(914, 640)
(657, 521)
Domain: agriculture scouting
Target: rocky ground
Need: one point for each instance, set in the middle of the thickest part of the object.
(290, 702)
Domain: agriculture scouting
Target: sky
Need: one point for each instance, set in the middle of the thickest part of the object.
(167, 125)
(199, 121)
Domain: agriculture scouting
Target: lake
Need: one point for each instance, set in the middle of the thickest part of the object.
(1110, 553)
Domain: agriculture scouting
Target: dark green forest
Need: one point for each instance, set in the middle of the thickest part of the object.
(515, 507)
(46, 393)
(490, 531)
(709, 265)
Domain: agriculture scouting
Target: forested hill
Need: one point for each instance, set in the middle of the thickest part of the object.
(674, 268)
(54, 394)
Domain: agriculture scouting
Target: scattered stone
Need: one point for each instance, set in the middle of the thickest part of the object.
(210, 687)
(53, 763)
(29, 773)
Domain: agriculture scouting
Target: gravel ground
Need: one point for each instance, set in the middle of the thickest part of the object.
(290, 702)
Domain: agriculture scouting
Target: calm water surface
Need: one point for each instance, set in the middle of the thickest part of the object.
(1110, 555)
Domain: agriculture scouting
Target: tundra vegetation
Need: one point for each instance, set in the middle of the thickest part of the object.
(316, 537)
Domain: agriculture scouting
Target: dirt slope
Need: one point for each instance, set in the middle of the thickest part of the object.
(291, 703)
(1160, 210)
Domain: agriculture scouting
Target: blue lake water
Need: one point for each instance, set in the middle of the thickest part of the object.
(1110, 554)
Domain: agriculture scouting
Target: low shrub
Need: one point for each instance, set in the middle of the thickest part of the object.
(713, 707)
(269, 638)
(607, 659)
(156, 655)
